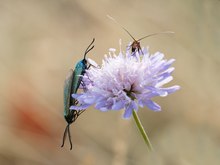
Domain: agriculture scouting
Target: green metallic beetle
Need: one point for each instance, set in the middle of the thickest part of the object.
(71, 85)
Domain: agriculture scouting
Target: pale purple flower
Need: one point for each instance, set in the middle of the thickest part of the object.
(126, 81)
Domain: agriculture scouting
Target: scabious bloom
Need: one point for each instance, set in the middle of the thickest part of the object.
(126, 81)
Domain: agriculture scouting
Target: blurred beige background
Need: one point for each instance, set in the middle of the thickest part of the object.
(41, 39)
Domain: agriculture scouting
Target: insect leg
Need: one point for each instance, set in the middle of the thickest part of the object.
(64, 136)
(68, 130)
(140, 49)
(83, 86)
(80, 112)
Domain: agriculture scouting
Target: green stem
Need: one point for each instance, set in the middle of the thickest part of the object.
(142, 131)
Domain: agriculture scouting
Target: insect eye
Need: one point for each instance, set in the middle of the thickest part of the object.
(84, 61)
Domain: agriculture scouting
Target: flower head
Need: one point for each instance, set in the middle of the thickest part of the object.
(126, 81)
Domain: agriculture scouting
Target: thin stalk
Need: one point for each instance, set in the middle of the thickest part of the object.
(142, 131)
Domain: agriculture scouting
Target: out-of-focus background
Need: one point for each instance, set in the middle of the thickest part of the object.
(41, 39)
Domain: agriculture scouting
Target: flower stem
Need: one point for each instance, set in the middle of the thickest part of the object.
(142, 131)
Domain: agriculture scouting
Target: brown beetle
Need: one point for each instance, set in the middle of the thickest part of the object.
(135, 46)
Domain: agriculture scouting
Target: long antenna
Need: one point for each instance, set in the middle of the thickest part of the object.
(153, 34)
(121, 27)
(88, 48)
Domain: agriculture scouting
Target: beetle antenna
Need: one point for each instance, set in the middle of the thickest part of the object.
(153, 34)
(88, 48)
(121, 27)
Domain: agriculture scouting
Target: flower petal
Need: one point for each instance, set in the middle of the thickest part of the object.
(164, 81)
(100, 105)
(81, 107)
(118, 105)
(152, 105)
(172, 89)
(128, 112)
(92, 62)
(89, 100)
(134, 105)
